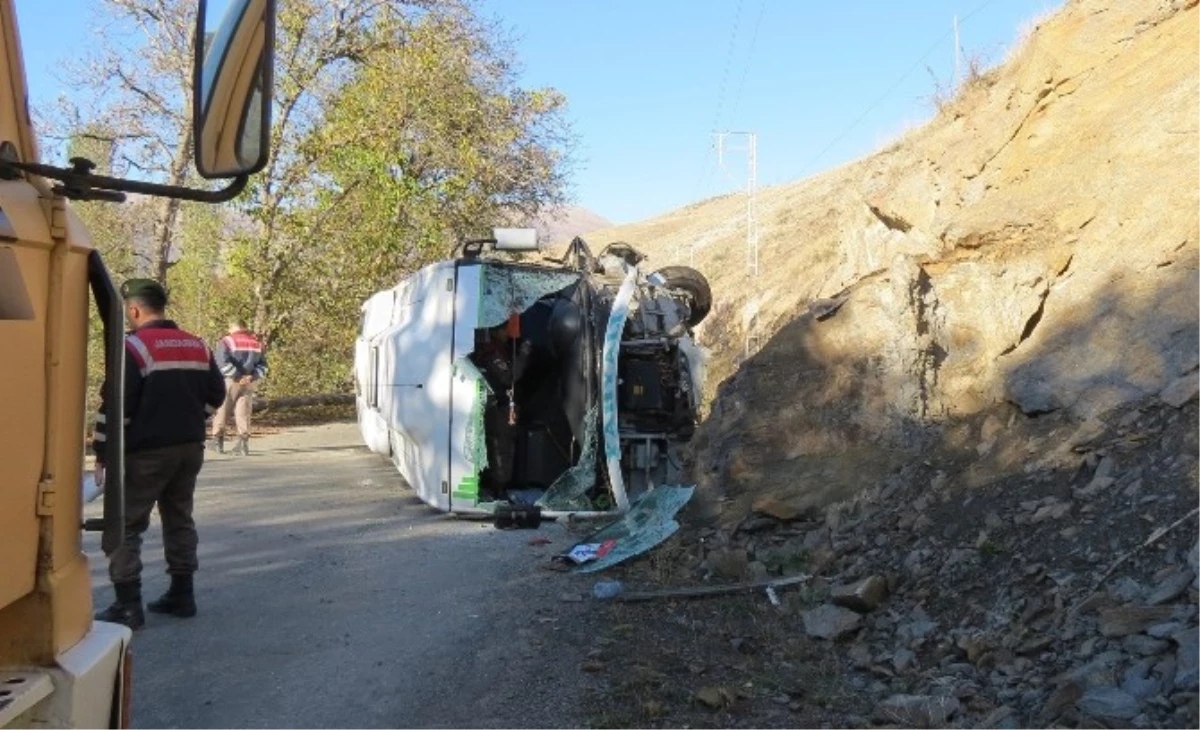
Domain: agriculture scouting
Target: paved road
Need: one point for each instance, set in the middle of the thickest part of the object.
(330, 597)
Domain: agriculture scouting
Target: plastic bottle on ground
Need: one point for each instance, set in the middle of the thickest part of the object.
(607, 589)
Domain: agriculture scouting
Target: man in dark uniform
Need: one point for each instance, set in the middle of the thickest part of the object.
(502, 363)
(172, 385)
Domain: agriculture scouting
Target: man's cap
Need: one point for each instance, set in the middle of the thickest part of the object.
(142, 287)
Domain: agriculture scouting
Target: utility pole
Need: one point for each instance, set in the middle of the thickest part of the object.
(957, 55)
(752, 207)
(751, 150)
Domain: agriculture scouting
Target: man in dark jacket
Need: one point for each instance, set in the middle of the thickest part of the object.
(172, 385)
(241, 359)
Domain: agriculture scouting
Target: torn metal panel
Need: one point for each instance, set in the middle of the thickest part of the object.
(649, 521)
(569, 491)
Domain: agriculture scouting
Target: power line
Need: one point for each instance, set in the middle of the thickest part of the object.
(894, 86)
(703, 175)
(737, 99)
(737, 19)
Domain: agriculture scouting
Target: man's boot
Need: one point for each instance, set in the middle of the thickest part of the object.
(218, 443)
(243, 446)
(179, 600)
(127, 609)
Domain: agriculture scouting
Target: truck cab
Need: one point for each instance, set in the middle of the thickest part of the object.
(59, 667)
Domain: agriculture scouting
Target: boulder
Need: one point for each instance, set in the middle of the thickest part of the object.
(1108, 703)
(830, 622)
(916, 710)
(863, 596)
(780, 510)
(1181, 390)
(1187, 660)
(1126, 620)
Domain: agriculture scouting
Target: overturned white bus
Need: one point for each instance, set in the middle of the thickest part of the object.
(584, 373)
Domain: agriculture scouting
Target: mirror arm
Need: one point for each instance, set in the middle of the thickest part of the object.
(78, 183)
(472, 247)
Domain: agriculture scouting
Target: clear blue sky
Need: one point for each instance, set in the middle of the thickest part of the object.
(649, 80)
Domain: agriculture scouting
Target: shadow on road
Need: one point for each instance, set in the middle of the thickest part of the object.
(330, 596)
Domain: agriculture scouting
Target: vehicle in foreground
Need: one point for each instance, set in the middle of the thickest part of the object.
(58, 666)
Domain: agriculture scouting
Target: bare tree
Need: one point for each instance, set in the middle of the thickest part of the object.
(138, 84)
(319, 44)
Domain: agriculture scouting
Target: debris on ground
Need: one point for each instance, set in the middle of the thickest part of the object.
(934, 604)
(649, 521)
(717, 590)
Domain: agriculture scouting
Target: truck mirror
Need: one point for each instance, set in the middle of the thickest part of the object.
(231, 88)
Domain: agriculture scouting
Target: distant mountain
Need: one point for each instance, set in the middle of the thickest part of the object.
(561, 224)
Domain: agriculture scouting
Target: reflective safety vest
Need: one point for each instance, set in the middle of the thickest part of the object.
(241, 354)
(172, 386)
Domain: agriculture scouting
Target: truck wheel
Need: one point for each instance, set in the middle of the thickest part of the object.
(693, 283)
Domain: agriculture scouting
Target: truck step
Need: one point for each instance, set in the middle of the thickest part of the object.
(20, 691)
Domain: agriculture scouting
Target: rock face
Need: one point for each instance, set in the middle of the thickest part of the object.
(1035, 245)
(975, 356)
(1029, 601)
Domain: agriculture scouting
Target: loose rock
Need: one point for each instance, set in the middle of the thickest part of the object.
(715, 697)
(1107, 703)
(917, 710)
(1125, 620)
(863, 597)
(831, 622)
(780, 510)
(1181, 390)
(1170, 588)
(1187, 660)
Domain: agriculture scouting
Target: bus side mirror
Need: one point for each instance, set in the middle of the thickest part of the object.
(231, 88)
(516, 239)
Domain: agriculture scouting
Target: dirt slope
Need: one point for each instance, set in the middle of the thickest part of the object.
(1034, 245)
(961, 396)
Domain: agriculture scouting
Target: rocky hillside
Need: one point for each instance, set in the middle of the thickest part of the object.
(960, 393)
(1034, 246)
(1063, 596)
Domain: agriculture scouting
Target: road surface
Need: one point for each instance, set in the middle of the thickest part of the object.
(329, 596)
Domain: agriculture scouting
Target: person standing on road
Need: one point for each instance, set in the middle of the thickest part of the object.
(172, 385)
(241, 360)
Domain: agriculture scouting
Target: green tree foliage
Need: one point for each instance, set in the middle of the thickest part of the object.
(431, 140)
(399, 126)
